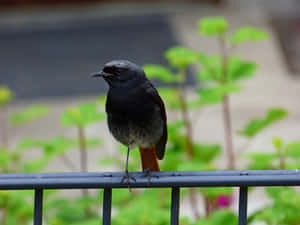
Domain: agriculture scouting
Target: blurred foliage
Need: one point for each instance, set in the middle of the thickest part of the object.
(5, 95)
(283, 210)
(61, 210)
(82, 115)
(284, 156)
(258, 124)
(224, 216)
(160, 72)
(212, 26)
(245, 34)
(29, 114)
(148, 207)
(180, 57)
(152, 206)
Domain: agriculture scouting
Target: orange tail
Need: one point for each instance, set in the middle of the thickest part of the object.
(152, 159)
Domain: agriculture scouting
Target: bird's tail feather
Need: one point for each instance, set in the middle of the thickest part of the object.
(152, 159)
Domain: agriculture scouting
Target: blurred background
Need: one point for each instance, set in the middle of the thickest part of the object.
(48, 48)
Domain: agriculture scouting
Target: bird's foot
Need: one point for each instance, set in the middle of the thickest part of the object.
(148, 174)
(126, 178)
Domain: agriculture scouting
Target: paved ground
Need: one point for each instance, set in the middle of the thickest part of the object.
(55, 61)
(272, 86)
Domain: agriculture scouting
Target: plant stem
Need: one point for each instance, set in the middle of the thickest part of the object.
(193, 202)
(4, 210)
(281, 159)
(68, 162)
(83, 163)
(3, 127)
(185, 116)
(4, 215)
(189, 137)
(226, 107)
(228, 133)
(83, 151)
(207, 204)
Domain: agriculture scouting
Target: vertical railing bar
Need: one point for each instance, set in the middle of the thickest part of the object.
(38, 207)
(243, 202)
(106, 206)
(175, 206)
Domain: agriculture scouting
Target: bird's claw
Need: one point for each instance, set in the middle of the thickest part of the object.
(127, 178)
(148, 174)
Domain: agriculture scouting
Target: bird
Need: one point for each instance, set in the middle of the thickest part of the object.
(136, 114)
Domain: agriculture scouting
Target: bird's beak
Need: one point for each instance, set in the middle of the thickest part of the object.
(101, 74)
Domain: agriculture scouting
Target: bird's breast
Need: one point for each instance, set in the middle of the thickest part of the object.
(130, 104)
(133, 119)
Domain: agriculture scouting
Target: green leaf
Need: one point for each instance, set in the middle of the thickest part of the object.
(247, 34)
(136, 211)
(240, 69)
(6, 157)
(285, 207)
(16, 203)
(175, 126)
(29, 114)
(82, 115)
(192, 165)
(258, 124)
(66, 211)
(292, 165)
(170, 97)
(218, 217)
(214, 192)
(36, 165)
(215, 94)
(277, 142)
(261, 161)
(206, 152)
(5, 95)
(121, 197)
(212, 68)
(224, 217)
(27, 143)
(91, 221)
(85, 201)
(212, 26)
(160, 72)
(109, 161)
(173, 161)
(50, 148)
(293, 150)
(180, 57)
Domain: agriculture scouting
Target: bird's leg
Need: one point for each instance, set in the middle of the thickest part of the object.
(127, 177)
(147, 172)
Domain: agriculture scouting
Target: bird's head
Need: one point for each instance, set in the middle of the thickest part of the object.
(121, 73)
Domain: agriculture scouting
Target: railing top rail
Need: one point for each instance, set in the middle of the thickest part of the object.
(165, 179)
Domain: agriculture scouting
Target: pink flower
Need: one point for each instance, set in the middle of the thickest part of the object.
(224, 201)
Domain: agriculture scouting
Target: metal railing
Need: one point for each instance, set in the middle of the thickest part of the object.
(175, 180)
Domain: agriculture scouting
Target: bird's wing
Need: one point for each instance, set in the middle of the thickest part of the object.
(161, 145)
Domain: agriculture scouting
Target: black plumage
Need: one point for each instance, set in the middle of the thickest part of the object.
(136, 114)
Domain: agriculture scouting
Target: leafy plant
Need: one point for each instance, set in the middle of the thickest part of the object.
(258, 124)
(5, 95)
(31, 113)
(284, 209)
